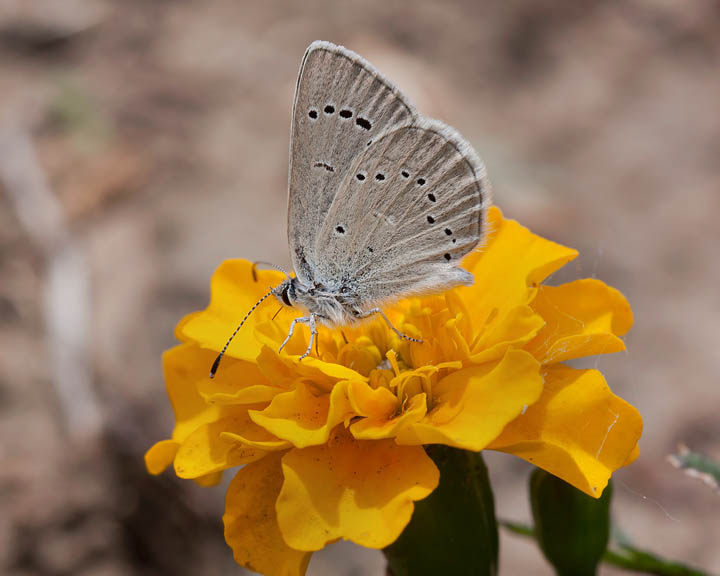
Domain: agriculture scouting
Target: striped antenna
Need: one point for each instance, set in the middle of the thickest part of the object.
(216, 364)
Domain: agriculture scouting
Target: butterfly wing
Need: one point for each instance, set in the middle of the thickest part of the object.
(341, 103)
(413, 204)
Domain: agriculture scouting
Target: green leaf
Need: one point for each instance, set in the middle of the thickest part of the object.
(571, 527)
(625, 556)
(636, 560)
(453, 531)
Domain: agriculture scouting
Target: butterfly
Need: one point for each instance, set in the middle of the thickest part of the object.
(383, 203)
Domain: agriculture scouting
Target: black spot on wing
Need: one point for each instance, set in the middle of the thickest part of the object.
(364, 123)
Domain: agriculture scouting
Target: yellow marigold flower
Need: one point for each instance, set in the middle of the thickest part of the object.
(332, 447)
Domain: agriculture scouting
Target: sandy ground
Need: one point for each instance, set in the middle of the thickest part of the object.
(143, 142)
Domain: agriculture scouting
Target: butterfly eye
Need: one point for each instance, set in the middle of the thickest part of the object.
(447, 256)
(285, 297)
(379, 176)
(329, 109)
(339, 229)
(421, 181)
(313, 114)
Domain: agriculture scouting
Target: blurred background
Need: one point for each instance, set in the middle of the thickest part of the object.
(143, 142)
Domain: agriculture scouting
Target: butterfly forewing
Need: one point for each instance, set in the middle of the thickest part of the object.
(341, 104)
(413, 204)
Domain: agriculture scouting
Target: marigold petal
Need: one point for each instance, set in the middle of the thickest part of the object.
(584, 318)
(371, 402)
(183, 367)
(207, 451)
(285, 370)
(303, 417)
(209, 480)
(233, 292)
(513, 260)
(633, 456)
(378, 428)
(160, 456)
(578, 430)
(312, 369)
(238, 382)
(517, 328)
(251, 528)
(361, 491)
(475, 404)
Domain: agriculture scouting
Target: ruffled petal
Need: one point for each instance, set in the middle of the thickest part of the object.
(371, 402)
(303, 417)
(207, 450)
(361, 491)
(184, 366)
(160, 456)
(584, 318)
(378, 428)
(238, 382)
(233, 292)
(518, 327)
(284, 370)
(513, 262)
(578, 430)
(209, 480)
(475, 404)
(251, 528)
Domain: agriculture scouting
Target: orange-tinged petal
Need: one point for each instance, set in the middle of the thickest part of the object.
(356, 490)
(186, 372)
(208, 480)
(516, 329)
(160, 456)
(475, 404)
(303, 416)
(284, 370)
(361, 355)
(313, 369)
(578, 430)
(184, 366)
(513, 260)
(238, 382)
(233, 292)
(633, 456)
(371, 402)
(378, 428)
(251, 528)
(584, 317)
(206, 451)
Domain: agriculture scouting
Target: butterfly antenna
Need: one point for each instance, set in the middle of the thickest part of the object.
(216, 364)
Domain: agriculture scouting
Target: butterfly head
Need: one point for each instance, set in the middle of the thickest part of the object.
(286, 293)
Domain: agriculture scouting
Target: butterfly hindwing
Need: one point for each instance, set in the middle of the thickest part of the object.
(413, 204)
(341, 104)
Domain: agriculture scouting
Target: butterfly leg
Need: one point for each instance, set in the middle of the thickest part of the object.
(387, 321)
(313, 335)
(303, 320)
